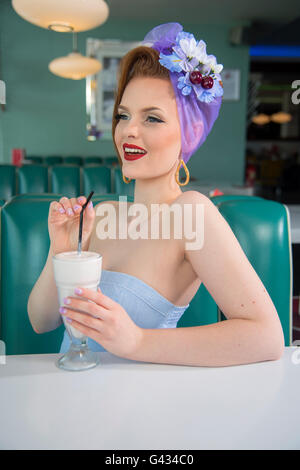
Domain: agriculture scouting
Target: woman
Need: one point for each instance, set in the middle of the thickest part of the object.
(168, 98)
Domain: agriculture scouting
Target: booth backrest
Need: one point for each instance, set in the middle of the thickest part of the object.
(35, 159)
(92, 160)
(24, 249)
(96, 178)
(66, 179)
(262, 228)
(7, 181)
(70, 179)
(32, 179)
(73, 160)
(217, 200)
(53, 160)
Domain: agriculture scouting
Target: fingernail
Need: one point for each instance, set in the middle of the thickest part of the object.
(70, 212)
(62, 310)
(90, 204)
(67, 301)
(62, 211)
(68, 320)
(80, 199)
(76, 207)
(78, 291)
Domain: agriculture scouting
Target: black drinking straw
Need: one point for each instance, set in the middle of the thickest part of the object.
(81, 222)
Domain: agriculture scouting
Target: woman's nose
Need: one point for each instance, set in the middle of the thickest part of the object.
(132, 129)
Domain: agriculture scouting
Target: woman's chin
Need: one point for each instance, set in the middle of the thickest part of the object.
(129, 174)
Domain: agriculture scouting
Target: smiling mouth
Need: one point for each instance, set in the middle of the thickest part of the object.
(133, 152)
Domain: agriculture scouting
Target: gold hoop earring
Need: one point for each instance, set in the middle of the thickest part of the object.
(187, 174)
(125, 179)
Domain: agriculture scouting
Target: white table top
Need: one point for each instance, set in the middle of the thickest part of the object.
(124, 404)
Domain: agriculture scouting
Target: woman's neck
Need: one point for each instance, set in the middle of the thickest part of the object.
(153, 191)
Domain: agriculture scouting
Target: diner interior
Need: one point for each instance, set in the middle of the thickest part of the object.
(57, 86)
(55, 132)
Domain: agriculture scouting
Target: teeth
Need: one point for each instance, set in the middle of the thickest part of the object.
(127, 150)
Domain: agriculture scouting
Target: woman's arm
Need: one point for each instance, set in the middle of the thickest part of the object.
(252, 331)
(43, 306)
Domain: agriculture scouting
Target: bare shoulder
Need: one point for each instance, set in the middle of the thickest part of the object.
(193, 197)
(196, 203)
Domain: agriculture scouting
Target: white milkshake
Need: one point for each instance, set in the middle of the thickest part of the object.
(73, 270)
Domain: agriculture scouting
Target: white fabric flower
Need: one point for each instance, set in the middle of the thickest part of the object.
(211, 64)
(200, 52)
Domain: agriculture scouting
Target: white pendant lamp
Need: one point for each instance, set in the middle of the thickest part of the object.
(63, 15)
(74, 66)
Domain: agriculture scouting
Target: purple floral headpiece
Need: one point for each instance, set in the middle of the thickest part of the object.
(196, 81)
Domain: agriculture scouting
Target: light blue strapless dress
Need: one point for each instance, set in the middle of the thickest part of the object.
(146, 307)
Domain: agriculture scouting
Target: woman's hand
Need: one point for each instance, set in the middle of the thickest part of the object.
(63, 224)
(103, 320)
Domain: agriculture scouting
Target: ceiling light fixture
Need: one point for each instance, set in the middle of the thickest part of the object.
(281, 117)
(63, 15)
(74, 66)
(261, 119)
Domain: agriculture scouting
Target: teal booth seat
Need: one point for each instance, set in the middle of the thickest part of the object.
(24, 249)
(36, 196)
(65, 179)
(112, 161)
(202, 310)
(92, 160)
(53, 160)
(108, 197)
(96, 178)
(34, 159)
(32, 179)
(73, 160)
(7, 181)
(217, 200)
(262, 228)
(119, 186)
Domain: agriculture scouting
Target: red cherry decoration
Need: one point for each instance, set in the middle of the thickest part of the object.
(195, 77)
(207, 83)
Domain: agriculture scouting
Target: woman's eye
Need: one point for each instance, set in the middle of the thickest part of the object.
(124, 117)
(155, 119)
(120, 116)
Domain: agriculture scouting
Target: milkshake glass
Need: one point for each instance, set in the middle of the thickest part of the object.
(71, 270)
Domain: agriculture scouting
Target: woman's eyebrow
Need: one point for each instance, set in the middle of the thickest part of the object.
(144, 109)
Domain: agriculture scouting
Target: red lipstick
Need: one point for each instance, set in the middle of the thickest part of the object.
(134, 155)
